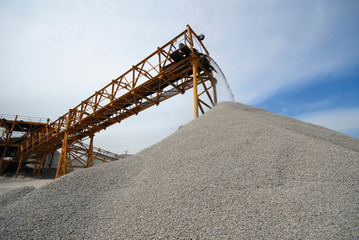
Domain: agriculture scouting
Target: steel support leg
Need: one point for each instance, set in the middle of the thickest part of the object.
(19, 166)
(195, 92)
(89, 162)
(61, 167)
(42, 164)
(195, 66)
(214, 85)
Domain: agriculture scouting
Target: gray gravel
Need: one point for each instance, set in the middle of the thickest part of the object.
(237, 172)
(13, 196)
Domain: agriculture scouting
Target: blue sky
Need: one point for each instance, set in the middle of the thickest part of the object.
(296, 58)
(331, 100)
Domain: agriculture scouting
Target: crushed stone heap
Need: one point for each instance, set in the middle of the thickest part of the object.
(237, 172)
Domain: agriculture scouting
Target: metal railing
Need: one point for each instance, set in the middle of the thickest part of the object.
(23, 118)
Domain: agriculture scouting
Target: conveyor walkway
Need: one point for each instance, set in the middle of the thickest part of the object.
(179, 65)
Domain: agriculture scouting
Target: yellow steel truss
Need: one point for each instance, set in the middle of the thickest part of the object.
(177, 66)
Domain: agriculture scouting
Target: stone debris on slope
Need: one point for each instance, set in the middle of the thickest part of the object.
(237, 172)
(15, 195)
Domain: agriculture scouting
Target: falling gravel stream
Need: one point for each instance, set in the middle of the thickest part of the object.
(224, 91)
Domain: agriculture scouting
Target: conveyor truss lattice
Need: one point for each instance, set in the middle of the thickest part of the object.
(179, 65)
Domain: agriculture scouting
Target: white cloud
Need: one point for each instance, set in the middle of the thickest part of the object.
(315, 106)
(282, 45)
(344, 120)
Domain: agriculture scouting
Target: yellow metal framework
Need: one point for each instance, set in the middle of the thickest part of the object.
(177, 66)
(13, 133)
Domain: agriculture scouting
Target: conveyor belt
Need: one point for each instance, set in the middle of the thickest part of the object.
(165, 73)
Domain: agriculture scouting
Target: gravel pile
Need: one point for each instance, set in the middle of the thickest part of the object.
(237, 172)
(15, 195)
